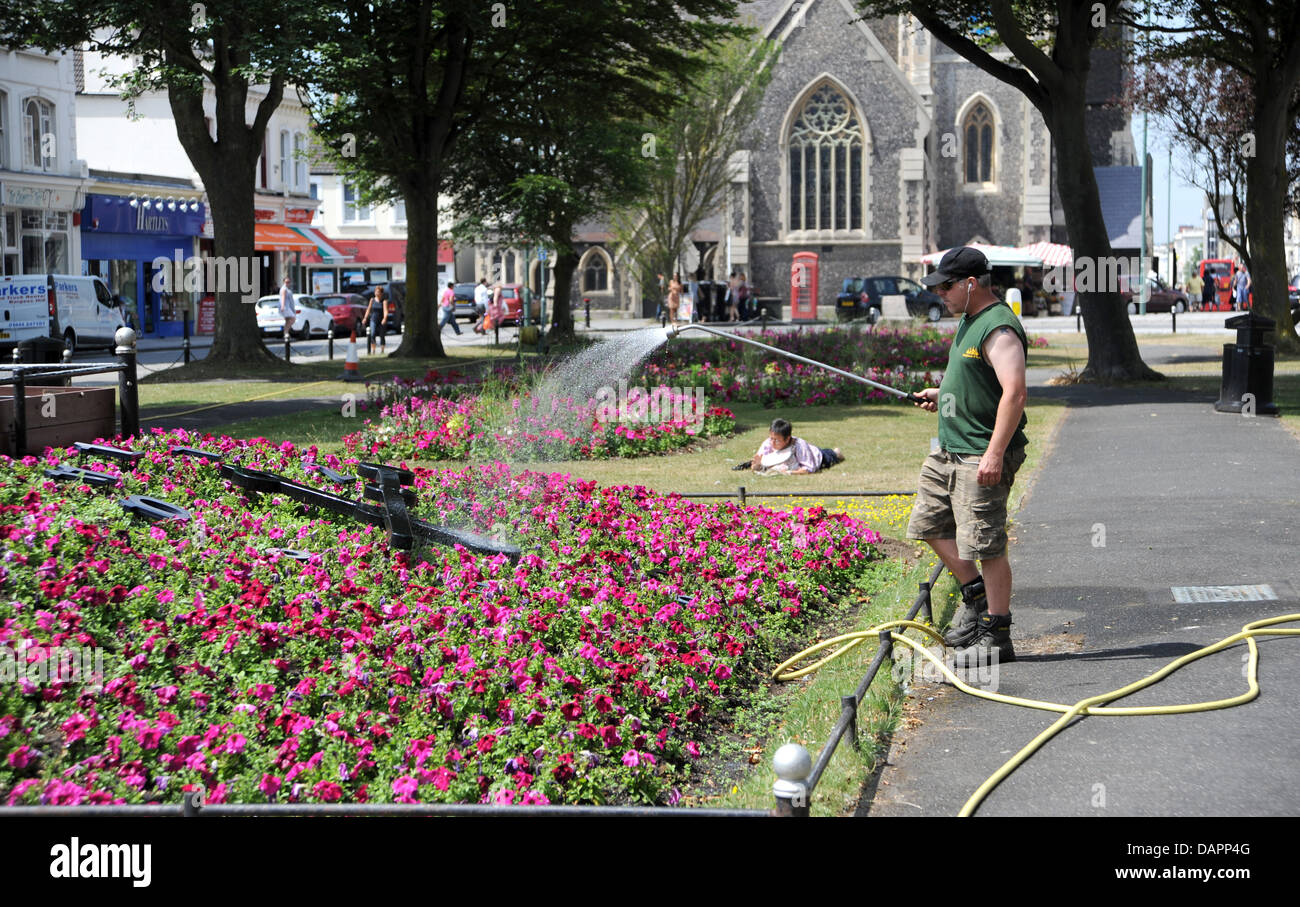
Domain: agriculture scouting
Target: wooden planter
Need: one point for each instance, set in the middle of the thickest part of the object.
(58, 416)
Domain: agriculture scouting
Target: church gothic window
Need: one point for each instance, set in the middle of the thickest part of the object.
(825, 163)
(595, 275)
(977, 144)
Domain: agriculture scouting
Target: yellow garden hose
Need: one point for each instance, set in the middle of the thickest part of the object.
(1090, 706)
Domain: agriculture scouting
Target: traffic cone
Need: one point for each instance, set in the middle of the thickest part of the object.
(351, 371)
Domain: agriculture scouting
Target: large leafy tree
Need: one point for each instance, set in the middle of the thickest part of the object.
(534, 177)
(693, 146)
(186, 49)
(1256, 41)
(398, 91)
(1051, 42)
(1206, 108)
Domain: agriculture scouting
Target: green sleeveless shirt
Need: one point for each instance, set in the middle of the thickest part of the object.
(970, 392)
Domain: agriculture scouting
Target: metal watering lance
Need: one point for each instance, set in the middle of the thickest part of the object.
(673, 330)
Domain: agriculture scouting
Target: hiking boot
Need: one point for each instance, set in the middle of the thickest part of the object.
(992, 644)
(974, 603)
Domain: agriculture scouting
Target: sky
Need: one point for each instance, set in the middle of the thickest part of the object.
(1188, 201)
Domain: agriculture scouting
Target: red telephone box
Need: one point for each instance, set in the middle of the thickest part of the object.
(803, 286)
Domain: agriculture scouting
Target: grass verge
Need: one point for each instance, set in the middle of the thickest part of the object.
(805, 711)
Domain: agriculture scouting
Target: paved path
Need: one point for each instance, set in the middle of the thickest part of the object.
(1186, 497)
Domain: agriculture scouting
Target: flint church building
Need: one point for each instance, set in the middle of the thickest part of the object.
(874, 144)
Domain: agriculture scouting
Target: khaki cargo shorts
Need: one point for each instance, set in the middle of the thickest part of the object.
(951, 504)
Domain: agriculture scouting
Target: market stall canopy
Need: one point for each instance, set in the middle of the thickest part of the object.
(1052, 255)
(1037, 255)
(1008, 256)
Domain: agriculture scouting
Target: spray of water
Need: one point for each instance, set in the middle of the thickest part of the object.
(578, 379)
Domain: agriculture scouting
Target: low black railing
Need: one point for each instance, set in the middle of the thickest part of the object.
(127, 385)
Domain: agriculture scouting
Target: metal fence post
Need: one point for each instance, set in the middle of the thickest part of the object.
(127, 385)
(742, 495)
(20, 414)
(1173, 314)
(185, 340)
(286, 346)
(792, 764)
(851, 703)
(329, 335)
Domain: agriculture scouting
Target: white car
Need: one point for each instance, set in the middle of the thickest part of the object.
(310, 316)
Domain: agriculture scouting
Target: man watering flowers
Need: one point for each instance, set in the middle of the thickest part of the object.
(961, 501)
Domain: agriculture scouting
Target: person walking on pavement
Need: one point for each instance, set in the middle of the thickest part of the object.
(1207, 291)
(1241, 288)
(448, 305)
(286, 307)
(674, 297)
(482, 296)
(376, 315)
(961, 502)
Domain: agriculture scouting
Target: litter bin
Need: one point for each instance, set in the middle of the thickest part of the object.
(44, 351)
(1248, 366)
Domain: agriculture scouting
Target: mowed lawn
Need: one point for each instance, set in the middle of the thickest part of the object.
(884, 445)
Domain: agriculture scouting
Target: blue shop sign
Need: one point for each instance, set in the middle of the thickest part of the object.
(117, 214)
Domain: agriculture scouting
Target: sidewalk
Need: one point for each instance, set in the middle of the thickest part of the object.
(1185, 497)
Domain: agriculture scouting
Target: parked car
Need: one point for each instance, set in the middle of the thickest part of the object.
(511, 294)
(870, 291)
(346, 309)
(310, 316)
(1161, 298)
(463, 301)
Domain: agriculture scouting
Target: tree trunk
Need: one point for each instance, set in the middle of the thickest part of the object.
(237, 339)
(1112, 349)
(227, 166)
(566, 262)
(421, 338)
(1266, 187)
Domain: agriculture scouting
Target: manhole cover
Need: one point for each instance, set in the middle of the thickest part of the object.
(1223, 593)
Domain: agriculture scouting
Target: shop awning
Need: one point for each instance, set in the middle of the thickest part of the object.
(322, 246)
(277, 238)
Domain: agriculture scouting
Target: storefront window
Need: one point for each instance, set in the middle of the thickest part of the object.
(44, 241)
(121, 280)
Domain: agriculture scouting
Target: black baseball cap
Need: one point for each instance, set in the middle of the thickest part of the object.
(957, 263)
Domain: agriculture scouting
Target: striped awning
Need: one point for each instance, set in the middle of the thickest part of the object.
(1039, 254)
(1053, 255)
(277, 238)
(327, 252)
(1007, 256)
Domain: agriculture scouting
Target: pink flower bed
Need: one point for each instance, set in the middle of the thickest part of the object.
(592, 670)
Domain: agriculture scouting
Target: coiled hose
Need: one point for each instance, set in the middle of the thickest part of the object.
(1090, 706)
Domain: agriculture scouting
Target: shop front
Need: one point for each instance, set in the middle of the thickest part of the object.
(280, 248)
(122, 236)
(38, 222)
(352, 265)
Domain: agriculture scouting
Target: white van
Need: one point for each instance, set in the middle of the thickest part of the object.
(80, 311)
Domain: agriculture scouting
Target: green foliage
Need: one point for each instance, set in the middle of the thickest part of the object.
(689, 153)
